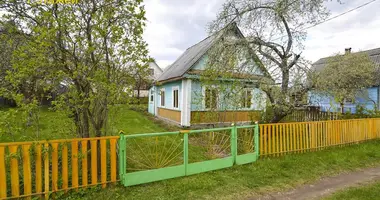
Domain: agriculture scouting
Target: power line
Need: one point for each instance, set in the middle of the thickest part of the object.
(331, 18)
(344, 13)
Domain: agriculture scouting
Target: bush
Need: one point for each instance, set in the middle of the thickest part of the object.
(140, 107)
(141, 100)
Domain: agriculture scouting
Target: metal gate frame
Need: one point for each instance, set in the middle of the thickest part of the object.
(186, 169)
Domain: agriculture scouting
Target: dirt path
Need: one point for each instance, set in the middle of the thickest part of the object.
(326, 186)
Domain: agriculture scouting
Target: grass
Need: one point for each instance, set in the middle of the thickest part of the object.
(56, 125)
(367, 192)
(240, 182)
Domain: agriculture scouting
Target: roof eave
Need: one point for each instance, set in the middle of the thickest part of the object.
(169, 80)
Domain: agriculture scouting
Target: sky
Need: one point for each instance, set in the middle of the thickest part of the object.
(175, 25)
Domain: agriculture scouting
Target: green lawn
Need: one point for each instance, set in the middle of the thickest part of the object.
(240, 182)
(369, 192)
(55, 125)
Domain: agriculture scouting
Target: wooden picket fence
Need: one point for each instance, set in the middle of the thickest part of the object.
(40, 168)
(308, 115)
(282, 138)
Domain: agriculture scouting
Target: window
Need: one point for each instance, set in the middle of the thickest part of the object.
(348, 100)
(175, 97)
(151, 72)
(211, 98)
(151, 96)
(163, 97)
(246, 100)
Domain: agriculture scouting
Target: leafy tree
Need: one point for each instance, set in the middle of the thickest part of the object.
(344, 77)
(87, 47)
(274, 31)
(143, 79)
(10, 40)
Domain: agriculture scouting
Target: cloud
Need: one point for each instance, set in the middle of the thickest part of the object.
(359, 30)
(175, 25)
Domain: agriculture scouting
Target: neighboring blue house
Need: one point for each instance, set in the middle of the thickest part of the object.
(180, 97)
(368, 98)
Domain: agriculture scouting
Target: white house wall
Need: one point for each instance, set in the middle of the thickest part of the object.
(186, 102)
(157, 71)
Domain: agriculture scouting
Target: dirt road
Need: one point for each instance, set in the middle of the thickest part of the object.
(326, 186)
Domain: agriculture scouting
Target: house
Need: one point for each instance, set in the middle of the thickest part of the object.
(154, 71)
(179, 96)
(142, 86)
(369, 98)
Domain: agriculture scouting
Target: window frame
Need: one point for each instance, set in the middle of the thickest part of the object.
(245, 99)
(212, 101)
(175, 88)
(151, 72)
(162, 97)
(151, 98)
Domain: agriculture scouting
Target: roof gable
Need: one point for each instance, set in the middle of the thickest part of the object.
(153, 65)
(187, 59)
(195, 56)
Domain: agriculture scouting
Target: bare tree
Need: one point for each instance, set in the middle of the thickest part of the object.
(272, 34)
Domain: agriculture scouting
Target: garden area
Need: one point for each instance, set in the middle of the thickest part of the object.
(249, 181)
(269, 174)
(57, 125)
(72, 74)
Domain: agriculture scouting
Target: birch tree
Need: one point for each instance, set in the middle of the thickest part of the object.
(273, 31)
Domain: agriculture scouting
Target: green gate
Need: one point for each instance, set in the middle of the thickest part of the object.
(145, 158)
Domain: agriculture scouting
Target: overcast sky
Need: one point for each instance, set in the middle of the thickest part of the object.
(175, 25)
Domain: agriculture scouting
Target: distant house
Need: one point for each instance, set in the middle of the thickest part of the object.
(179, 96)
(142, 88)
(154, 71)
(368, 98)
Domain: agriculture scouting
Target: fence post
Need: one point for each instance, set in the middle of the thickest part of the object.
(122, 157)
(185, 150)
(256, 138)
(234, 143)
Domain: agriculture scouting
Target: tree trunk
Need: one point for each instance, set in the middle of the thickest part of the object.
(138, 90)
(138, 95)
(85, 125)
(278, 116)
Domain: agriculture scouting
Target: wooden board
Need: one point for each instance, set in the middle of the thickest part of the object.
(202, 117)
(173, 115)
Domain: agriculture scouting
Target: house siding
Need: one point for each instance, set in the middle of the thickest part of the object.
(204, 117)
(197, 99)
(367, 98)
(172, 115)
(201, 63)
(251, 69)
(196, 96)
(169, 94)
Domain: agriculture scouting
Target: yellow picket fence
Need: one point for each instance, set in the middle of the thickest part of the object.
(281, 138)
(40, 168)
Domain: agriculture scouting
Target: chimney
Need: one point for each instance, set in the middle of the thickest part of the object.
(347, 50)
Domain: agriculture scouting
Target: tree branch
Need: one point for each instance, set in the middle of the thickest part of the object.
(294, 61)
(270, 57)
(289, 33)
